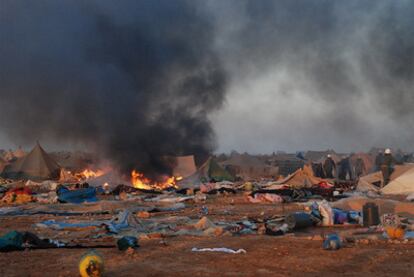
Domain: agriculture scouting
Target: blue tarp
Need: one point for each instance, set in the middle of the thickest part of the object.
(76, 196)
(115, 225)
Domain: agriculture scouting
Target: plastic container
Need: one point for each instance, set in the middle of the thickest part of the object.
(370, 215)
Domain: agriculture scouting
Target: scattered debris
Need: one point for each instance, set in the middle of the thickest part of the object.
(222, 249)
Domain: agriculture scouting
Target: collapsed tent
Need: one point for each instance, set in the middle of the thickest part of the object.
(37, 165)
(184, 166)
(301, 178)
(375, 180)
(212, 171)
(370, 182)
(404, 184)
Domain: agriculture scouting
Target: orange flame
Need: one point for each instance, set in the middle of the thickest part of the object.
(88, 173)
(139, 181)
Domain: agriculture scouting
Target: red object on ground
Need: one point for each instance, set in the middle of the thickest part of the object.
(19, 191)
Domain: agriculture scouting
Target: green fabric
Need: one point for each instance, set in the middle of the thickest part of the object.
(11, 241)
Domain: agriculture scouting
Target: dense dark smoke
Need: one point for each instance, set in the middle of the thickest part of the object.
(139, 80)
(134, 80)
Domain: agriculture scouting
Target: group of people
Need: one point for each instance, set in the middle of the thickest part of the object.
(346, 170)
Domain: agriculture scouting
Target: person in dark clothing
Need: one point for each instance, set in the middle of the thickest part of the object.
(329, 167)
(387, 166)
(318, 170)
(379, 159)
(345, 169)
(360, 168)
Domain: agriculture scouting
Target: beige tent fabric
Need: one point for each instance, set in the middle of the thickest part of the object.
(185, 166)
(366, 182)
(19, 153)
(301, 178)
(9, 156)
(36, 165)
(404, 184)
(385, 205)
(400, 170)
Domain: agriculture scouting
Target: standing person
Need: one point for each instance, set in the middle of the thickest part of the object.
(360, 168)
(379, 160)
(345, 169)
(318, 170)
(329, 167)
(387, 166)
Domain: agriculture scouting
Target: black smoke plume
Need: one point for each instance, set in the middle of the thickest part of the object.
(133, 80)
(138, 80)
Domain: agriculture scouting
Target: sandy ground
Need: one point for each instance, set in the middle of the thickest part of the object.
(292, 255)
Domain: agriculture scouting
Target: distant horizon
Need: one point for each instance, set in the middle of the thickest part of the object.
(51, 147)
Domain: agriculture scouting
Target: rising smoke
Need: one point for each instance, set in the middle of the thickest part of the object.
(133, 80)
(316, 74)
(138, 80)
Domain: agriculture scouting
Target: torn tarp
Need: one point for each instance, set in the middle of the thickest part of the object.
(15, 240)
(76, 196)
(123, 220)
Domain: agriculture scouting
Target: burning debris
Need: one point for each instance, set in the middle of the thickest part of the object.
(216, 205)
(141, 86)
(88, 174)
(139, 181)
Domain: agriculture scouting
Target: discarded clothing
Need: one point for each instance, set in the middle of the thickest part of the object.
(265, 198)
(213, 188)
(18, 196)
(276, 229)
(298, 220)
(127, 242)
(327, 216)
(324, 185)
(410, 197)
(326, 213)
(18, 211)
(63, 225)
(222, 249)
(170, 199)
(11, 241)
(123, 220)
(332, 242)
(76, 196)
(15, 240)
